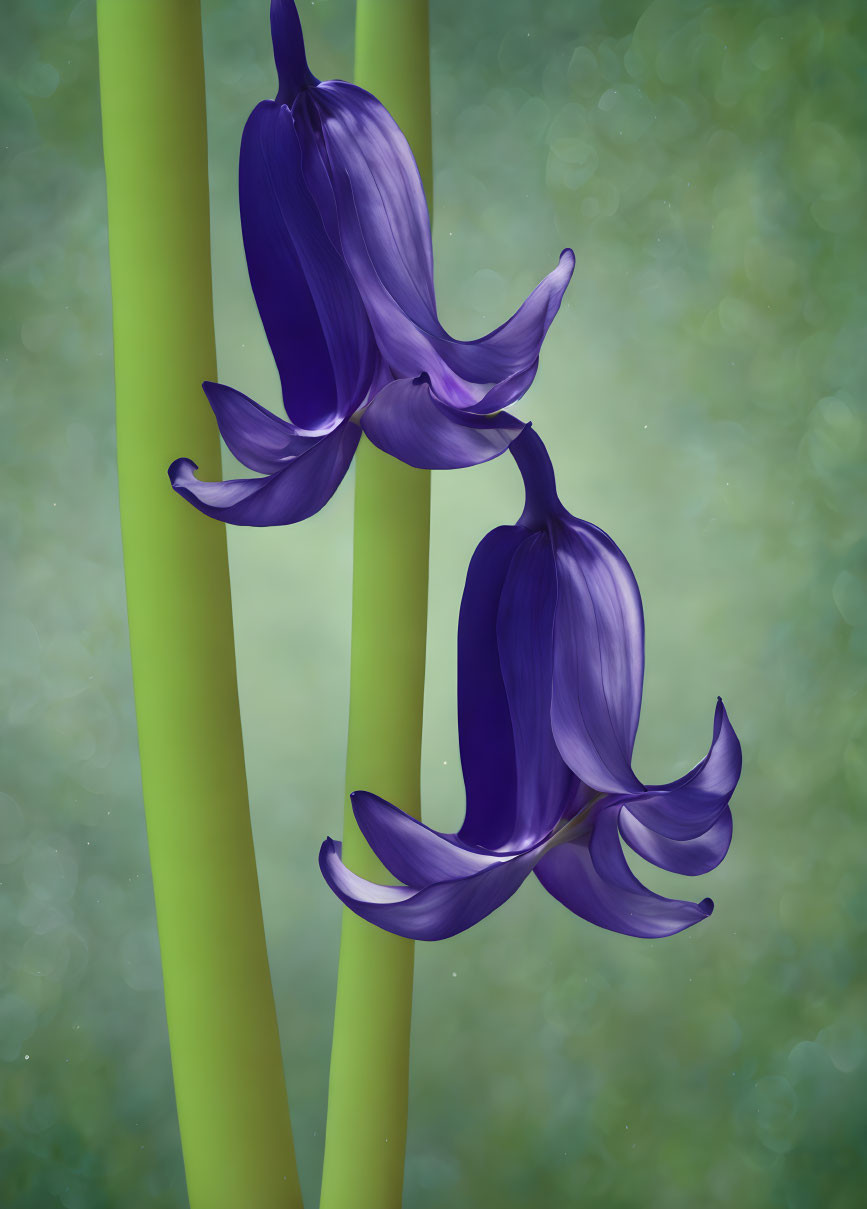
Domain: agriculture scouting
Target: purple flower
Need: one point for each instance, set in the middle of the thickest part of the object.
(337, 237)
(550, 671)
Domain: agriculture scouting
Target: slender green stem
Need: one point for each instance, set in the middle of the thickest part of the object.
(365, 1139)
(231, 1097)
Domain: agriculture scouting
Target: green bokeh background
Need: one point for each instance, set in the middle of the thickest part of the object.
(701, 395)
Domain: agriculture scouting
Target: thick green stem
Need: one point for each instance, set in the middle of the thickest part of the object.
(365, 1139)
(231, 1097)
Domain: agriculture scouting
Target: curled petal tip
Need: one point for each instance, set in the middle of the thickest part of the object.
(180, 469)
(706, 906)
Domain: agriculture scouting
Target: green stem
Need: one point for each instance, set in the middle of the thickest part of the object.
(231, 1097)
(365, 1138)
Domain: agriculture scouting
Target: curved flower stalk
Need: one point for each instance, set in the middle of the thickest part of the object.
(550, 672)
(338, 246)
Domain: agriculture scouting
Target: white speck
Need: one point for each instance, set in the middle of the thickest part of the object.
(454, 973)
(444, 763)
(645, 425)
(26, 1057)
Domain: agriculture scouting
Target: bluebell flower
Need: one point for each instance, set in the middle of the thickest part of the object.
(550, 673)
(338, 245)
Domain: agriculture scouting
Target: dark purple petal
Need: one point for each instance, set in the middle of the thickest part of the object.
(310, 308)
(687, 808)
(357, 160)
(302, 487)
(590, 876)
(439, 910)
(484, 721)
(598, 657)
(412, 852)
(525, 636)
(689, 856)
(289, 56)
(257, 438)
(407, 421)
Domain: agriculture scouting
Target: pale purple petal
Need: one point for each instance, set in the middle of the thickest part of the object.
(436, 912)
(686, 808)
(412, 852)
(590, 876)
(407, 421)
(257, 438)
(598, 657)
(361, 171)
(690, 856)
(300, 489)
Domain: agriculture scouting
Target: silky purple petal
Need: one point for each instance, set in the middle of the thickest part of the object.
(412, 852)
(310, 308)
(598, 657)
(484, 721)
(525, 636)
(289, 54)
(439, 910)
(590, 876)
(357, 160)
(305, 485)
(690, 856)
(407, 421)
(257, 438)
(686, 808)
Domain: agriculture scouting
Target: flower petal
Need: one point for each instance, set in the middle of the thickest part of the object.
(412, 852)
(407, 421)
(257, 438)
(687, 808)
(365, 168)
(598, 657)
(310, 308)
(484, 721)
(690, 856)
(525, 637)
(300, 489)
(590, 876)
(435, 912)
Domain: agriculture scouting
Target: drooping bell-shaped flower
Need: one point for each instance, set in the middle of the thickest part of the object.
(338, 246)
(550, 672)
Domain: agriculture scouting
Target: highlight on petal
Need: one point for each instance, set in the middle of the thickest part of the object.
(309, 305)
(598, 657)
(407, 421)
(257, 438)
(305, 484)
(590, 876)
(438, 910)
(410, 851)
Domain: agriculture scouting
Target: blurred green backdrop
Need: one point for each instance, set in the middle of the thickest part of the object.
(700, 393)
